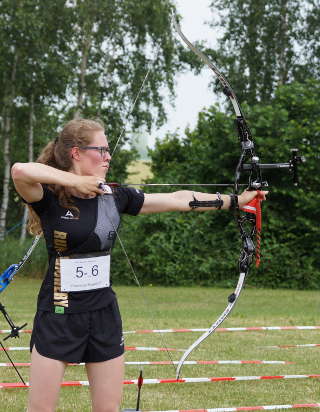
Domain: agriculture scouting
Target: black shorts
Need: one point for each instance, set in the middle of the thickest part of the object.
(94, 336)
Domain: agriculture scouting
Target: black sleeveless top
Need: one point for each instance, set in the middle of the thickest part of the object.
(67, 232)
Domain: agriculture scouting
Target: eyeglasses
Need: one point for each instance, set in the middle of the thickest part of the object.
(101, 149)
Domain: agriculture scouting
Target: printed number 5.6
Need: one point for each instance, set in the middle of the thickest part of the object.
(94, 271)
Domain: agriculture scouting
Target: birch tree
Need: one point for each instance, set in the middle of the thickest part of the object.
(81, 58)
(259, 49)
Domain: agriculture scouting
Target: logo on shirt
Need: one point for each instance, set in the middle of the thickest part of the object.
(112, 235)
(69, 216)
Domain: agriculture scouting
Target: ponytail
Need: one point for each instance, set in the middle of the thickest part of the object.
(56, 153)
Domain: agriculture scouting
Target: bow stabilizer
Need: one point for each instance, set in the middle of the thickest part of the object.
(5, 279)
(7, 276)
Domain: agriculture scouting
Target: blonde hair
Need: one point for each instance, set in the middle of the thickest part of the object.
(77, 132)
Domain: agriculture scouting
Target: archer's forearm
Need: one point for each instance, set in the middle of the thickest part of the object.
(31, 173)
(179, 201)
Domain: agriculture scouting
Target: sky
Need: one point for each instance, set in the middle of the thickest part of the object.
(192, 91)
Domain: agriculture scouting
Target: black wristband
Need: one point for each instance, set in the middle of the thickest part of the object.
(233, 201)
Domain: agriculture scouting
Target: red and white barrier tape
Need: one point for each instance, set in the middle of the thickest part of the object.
(307, 345)
(201, 362)
(249, 408)
(2, 331)
(182, 380)
(248, 329)
(127, 348)
(244, 329)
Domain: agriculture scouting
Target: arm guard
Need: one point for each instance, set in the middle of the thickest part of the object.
(217, 203)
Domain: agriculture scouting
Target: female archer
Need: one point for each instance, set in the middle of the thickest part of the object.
(77, 318)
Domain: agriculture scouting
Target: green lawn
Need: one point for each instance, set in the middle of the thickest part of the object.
(161, 308)
(139, 171)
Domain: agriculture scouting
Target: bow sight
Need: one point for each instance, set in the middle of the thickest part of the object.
(292, 166)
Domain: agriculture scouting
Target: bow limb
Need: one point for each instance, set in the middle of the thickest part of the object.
(245, 260)
(243, 129)
(231, 303)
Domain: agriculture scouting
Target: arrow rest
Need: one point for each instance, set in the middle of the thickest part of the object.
(258, 185)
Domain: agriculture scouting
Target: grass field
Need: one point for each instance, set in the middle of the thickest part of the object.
(138, 171)
(163, 308)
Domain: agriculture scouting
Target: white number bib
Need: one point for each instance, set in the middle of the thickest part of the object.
(85, 273)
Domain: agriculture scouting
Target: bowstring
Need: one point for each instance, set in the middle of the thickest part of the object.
(131, 108)
(135, 277)
(135, 100)
(144, 298)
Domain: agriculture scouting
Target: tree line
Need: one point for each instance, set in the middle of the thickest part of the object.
(67, 59)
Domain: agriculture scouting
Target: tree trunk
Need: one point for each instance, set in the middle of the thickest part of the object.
(82, 80)
(6, 176)
(30, 159)
(6, 150)
(283, 44)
